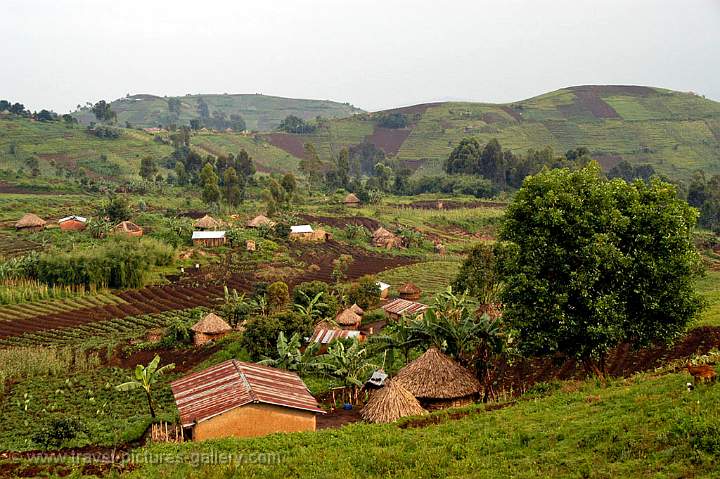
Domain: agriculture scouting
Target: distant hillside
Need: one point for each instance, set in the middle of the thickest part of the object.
(260, 112)
(676, 132)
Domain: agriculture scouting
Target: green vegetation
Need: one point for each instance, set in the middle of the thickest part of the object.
(259, 112)
(639, 427)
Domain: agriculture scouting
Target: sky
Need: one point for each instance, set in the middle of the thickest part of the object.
(375, 54)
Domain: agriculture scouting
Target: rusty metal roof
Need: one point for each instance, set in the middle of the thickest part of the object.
(232, 384)
(325, 336)
(403, 306)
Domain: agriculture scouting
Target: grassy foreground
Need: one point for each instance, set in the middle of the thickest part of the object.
(645, 426)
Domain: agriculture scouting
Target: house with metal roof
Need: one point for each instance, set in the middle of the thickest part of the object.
(72, 223)
(399, 307)
(242, 399)
(209, 238)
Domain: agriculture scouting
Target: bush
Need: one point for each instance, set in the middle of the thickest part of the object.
(120, 263)
(59, 431)
(365, 292)
(278, 295)
(311, 289)
(261, 332)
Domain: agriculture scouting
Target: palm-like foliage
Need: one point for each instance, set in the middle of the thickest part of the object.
(145, 377)
(348, 361)
(312, 312)
(290, 356)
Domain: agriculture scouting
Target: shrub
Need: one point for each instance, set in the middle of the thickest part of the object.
(59, 431)
(278, 295)
(310, 290)
(261, 332)
(365, 292)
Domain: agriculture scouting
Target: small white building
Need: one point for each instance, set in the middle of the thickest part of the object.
(209, 238)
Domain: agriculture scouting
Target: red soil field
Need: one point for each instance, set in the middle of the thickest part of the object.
(451, 205)
(294, 145)
(388, 139)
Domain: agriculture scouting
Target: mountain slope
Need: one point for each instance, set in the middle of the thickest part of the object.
(260, 112)
(676, 132)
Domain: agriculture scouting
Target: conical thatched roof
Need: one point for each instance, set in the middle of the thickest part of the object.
(128, 227)
(382, 233)
(390, 403)
(435, 376)
(357, 309)
(351, 199)
(409, 288)
(211, 324)
(260, 220)
(347, 318)
(30, 220)
(207, 222)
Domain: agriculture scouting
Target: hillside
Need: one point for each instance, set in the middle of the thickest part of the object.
(260, 112)
(676, 132)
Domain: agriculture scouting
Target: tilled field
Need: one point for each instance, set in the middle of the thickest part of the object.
(204, 288)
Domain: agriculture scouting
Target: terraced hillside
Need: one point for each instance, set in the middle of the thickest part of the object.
(260, 112)
(676, 132)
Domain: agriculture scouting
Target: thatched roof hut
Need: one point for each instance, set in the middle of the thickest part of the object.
(30, 221)
(129, 228)
(348, 318)
(209, 328)
(207, 222)
(351, 200)
(390, 403)
(382, 238)
(410, 292)
(438, 381)
(260, 220)
(357, 309)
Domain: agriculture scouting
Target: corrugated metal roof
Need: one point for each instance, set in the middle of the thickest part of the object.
(232, 384)
(81, 219)
(208, 234)
(325, 336)
(403, 306)
(301, 229)
(383, 286)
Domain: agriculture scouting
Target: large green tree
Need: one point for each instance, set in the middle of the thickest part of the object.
(209, 181)
(598, 262)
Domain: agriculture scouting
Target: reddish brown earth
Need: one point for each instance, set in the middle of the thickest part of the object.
(18, 190)
(389, 140)
(607, 161)
(588, 101)
(622, 361)
(413, 109)
(342, 221)
(510, 111)
(184, 359)
(338, 418)
(295, 145)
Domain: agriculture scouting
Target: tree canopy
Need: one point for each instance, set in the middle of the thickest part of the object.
(597, 262)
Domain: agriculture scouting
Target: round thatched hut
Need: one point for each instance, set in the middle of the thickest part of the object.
(382, 238)
(438, 382)
(348, 319)
(260, 220)
(209, 328)
(410, 292)
(357, 309)
(128, 228)
(30, 222)
(351, 200)
(390, 403)
(207, 222)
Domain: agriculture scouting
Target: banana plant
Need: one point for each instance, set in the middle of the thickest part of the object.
(145, 377)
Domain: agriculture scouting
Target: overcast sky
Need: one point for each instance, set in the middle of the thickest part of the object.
(375, 54)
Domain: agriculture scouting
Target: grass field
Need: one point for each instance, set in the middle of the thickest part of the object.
(645, 426)
(431, 277)
(709, 288)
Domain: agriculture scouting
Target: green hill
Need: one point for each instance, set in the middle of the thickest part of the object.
(260, 112)
(676, 132)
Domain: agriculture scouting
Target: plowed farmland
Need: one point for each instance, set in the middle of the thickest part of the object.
(203, 288)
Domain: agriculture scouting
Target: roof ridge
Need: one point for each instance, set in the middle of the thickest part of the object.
(245, 381)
